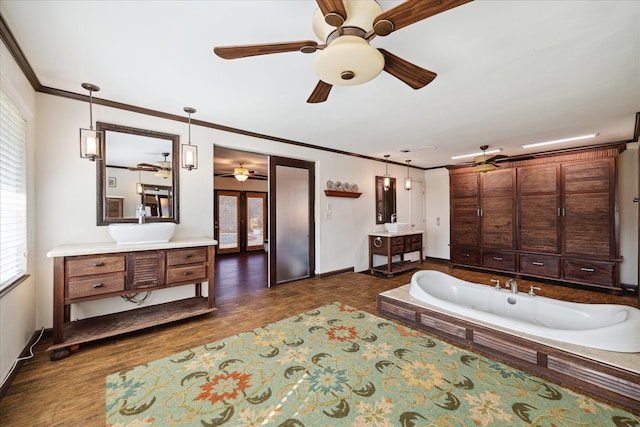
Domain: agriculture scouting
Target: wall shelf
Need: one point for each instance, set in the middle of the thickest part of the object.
(350, 194)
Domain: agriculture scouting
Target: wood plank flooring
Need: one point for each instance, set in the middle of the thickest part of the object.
(71, 392)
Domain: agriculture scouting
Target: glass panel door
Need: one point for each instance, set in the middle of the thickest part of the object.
(228, 221)
(256, 222)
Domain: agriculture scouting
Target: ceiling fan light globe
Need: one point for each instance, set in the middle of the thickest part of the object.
(360, 14)
(487, 167)
(350, 54)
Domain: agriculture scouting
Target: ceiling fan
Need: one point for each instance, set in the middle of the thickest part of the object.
(242, 174)
(346, 58)
(162, 168)
(486, 162)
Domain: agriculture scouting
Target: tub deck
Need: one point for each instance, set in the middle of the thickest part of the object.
(610, 376)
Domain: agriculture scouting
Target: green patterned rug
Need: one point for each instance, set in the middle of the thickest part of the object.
(338, 366)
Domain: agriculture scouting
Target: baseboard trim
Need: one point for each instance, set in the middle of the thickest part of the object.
(48, 333)
(334, 272)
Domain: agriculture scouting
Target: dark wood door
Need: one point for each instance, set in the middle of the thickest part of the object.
(465, 209)
(497, 212)
(588, 211)
(538, 210)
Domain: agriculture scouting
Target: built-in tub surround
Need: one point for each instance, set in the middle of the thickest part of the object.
(608, 327)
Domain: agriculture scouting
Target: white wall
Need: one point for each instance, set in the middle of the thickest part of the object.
(18, 307)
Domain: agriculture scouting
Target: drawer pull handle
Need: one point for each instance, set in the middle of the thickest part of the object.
(537, 263)
(466, 255)
(497, 258)
(188, 273)
(588, 270)
(187, 256)
(98, 264)
(97, 285)
(377, 242)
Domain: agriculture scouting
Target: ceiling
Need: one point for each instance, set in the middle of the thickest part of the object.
(509, 72)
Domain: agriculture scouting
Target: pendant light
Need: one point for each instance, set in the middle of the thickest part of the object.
(408, 182)
(241, 173)
(387, 178)
(139, 183)
(189, 152)
(90, 139)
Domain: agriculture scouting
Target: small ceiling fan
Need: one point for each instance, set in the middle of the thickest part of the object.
(162, 168)
(242, 174)
(486, 162)
(346, 58)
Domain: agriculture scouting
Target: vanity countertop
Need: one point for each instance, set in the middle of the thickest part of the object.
(112, 247)
(396, 234)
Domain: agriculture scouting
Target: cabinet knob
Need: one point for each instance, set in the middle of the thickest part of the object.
(98, 264)
(188, 273)
(97, 285)
(466, 255)
(187, 256)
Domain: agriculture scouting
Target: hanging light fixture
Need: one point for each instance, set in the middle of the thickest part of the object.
(408, 182)
(241, 173)
(387, 178)
(189, 152)
(139, 183)
(90, 139)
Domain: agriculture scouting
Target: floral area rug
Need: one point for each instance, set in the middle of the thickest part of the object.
(338, 366)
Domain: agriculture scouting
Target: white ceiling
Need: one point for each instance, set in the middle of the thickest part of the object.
(509, 72)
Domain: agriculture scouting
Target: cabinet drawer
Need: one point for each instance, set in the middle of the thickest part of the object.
(466, 256)
(397, 249)
(192, 273)
(186, 256)
(499, 260)
(378, 245)
(416, 238)
(86, 266)
(397, 240)
(596, 272)
(540, 265)
(82, 288)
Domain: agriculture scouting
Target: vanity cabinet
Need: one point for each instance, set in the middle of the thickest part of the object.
(551, 216)
(392, 245)
(91, 272)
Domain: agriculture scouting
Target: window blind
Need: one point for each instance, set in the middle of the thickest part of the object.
(13, 197)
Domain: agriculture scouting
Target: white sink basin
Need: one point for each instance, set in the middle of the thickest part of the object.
(135, 234)
(397, 227)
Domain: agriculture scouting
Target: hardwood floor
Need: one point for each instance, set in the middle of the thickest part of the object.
(238, 273)
(71, 392)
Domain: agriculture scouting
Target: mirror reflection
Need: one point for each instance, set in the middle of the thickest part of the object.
(139, 172)
(385, 200)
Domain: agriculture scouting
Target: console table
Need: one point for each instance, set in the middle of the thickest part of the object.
(85, 272)
(394, 244)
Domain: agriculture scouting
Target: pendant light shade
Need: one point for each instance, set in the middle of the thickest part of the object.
(387, 178)
(189, 152)
(90, 139)
(241, 173)
(408, 182)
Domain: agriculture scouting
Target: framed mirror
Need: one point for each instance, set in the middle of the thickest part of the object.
(385, 200)
(139, 167)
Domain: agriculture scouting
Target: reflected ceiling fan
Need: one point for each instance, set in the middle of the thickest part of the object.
(346, 58)
(242, 174)
(486, 162)
(162, 168)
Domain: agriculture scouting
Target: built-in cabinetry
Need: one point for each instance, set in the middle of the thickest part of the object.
(91, 272)
(553, 216)
(390, 245)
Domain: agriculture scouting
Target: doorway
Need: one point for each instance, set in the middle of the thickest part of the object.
(241, 221)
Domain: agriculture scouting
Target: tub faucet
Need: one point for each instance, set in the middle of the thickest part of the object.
(394, 217)
(141, 213)
(513, 285)
(497, 282)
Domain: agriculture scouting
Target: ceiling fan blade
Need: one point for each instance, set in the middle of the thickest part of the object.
(320, 93)
(243, 51)
(411, 74)
(410, 12)
(334, 12)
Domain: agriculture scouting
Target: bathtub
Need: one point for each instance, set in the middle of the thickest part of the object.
(601, 326)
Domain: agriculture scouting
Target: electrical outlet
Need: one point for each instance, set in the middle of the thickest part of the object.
(437, 220)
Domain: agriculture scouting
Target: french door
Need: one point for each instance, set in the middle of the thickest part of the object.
(241, 221)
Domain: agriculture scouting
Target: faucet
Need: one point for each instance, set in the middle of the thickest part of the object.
(141, 213)
(394, 217)
(510, 283)
(497, 282)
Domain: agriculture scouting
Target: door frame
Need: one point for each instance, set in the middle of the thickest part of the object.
(273, 238)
